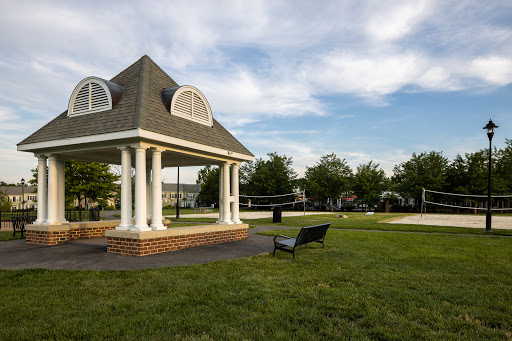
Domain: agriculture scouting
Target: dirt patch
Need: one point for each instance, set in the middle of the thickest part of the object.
(455, 220)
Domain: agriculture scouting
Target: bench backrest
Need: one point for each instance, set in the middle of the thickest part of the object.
(311, 233)
(18, 223)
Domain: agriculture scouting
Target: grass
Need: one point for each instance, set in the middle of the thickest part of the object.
(360, 221)
(7, 235)
(362, 285)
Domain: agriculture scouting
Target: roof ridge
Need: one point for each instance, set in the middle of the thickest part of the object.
(159, 68)
(142, 91)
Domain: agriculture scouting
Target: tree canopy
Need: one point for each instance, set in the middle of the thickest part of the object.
(271, 177)
(208, 178)
(86, 180)
(328, 178)
(369, 182)
(425, 170)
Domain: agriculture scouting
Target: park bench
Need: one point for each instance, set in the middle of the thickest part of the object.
(18, 224)
(306, 235)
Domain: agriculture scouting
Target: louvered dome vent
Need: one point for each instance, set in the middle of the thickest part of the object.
(187, 102)
(94, 94)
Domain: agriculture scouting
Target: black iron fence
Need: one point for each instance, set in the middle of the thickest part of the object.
(31, 215)
(92, 214)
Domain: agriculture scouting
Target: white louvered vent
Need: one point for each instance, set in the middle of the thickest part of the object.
(81, 104)
(99, 98)
(188, 102)
(200, 111)
(183, 104)
(92, 95)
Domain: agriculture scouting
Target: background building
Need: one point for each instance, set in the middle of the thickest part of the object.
(187, 194)
(15, 197)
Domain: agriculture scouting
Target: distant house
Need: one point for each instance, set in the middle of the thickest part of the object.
(187, 194)
(29, 199)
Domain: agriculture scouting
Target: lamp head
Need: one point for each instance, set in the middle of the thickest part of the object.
(22, 181)
(490, 127)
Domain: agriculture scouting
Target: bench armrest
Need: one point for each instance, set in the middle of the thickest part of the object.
(282, 237)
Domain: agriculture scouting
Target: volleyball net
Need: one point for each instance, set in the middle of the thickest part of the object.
(465, 201)
(272, 200)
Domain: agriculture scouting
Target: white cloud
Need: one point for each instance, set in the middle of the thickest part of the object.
(240, 97)
(371, 75)
(390, 21)
(493, 69)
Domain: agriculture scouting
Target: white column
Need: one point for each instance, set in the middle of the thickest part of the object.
(221, 191)
(156, 191)
(226, 214)
(42, 190)
(148, 191)
(52, 217)
(126, 189)
(234, 191)
(61, 191)
(140, 191)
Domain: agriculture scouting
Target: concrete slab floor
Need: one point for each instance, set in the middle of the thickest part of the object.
(91, 254)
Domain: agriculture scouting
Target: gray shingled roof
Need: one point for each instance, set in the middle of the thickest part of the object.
(140, 107)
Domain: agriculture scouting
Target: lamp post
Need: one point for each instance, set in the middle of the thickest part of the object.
(490, 133)
(178, 196)
(22, 196)
(185, 199)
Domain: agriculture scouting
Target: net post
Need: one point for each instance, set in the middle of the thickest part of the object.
(304, 201)
(422, 202)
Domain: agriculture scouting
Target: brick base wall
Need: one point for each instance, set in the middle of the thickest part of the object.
(144, 247)
(89, 232)
(66, 232)
(47, 237)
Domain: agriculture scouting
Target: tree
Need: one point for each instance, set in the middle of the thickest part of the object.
(369, 182)
(502, 166)
(328, 178)
(5, 190)
(86, 180)
(208, 178)
(272, 177)
(89, 180)
(5, 204)
(426, 170)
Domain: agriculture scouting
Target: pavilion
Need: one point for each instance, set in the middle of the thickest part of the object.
(143, 119)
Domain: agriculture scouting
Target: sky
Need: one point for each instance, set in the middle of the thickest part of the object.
(367, 80)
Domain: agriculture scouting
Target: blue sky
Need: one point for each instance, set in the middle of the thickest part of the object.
(368, 80)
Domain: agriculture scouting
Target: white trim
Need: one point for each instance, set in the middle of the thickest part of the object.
(137, 133)
(76, 91)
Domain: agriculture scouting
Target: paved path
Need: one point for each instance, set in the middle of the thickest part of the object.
(91, 254)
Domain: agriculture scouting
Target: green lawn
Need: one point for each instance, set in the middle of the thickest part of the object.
(7, 235)
(362, 285)
(360, 221)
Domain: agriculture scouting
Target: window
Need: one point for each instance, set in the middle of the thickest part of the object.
(163, 195)
(173, 195)
(190, 195)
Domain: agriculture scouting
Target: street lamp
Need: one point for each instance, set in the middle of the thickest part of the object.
(22, 195)
(490, 133)
(178, 196)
